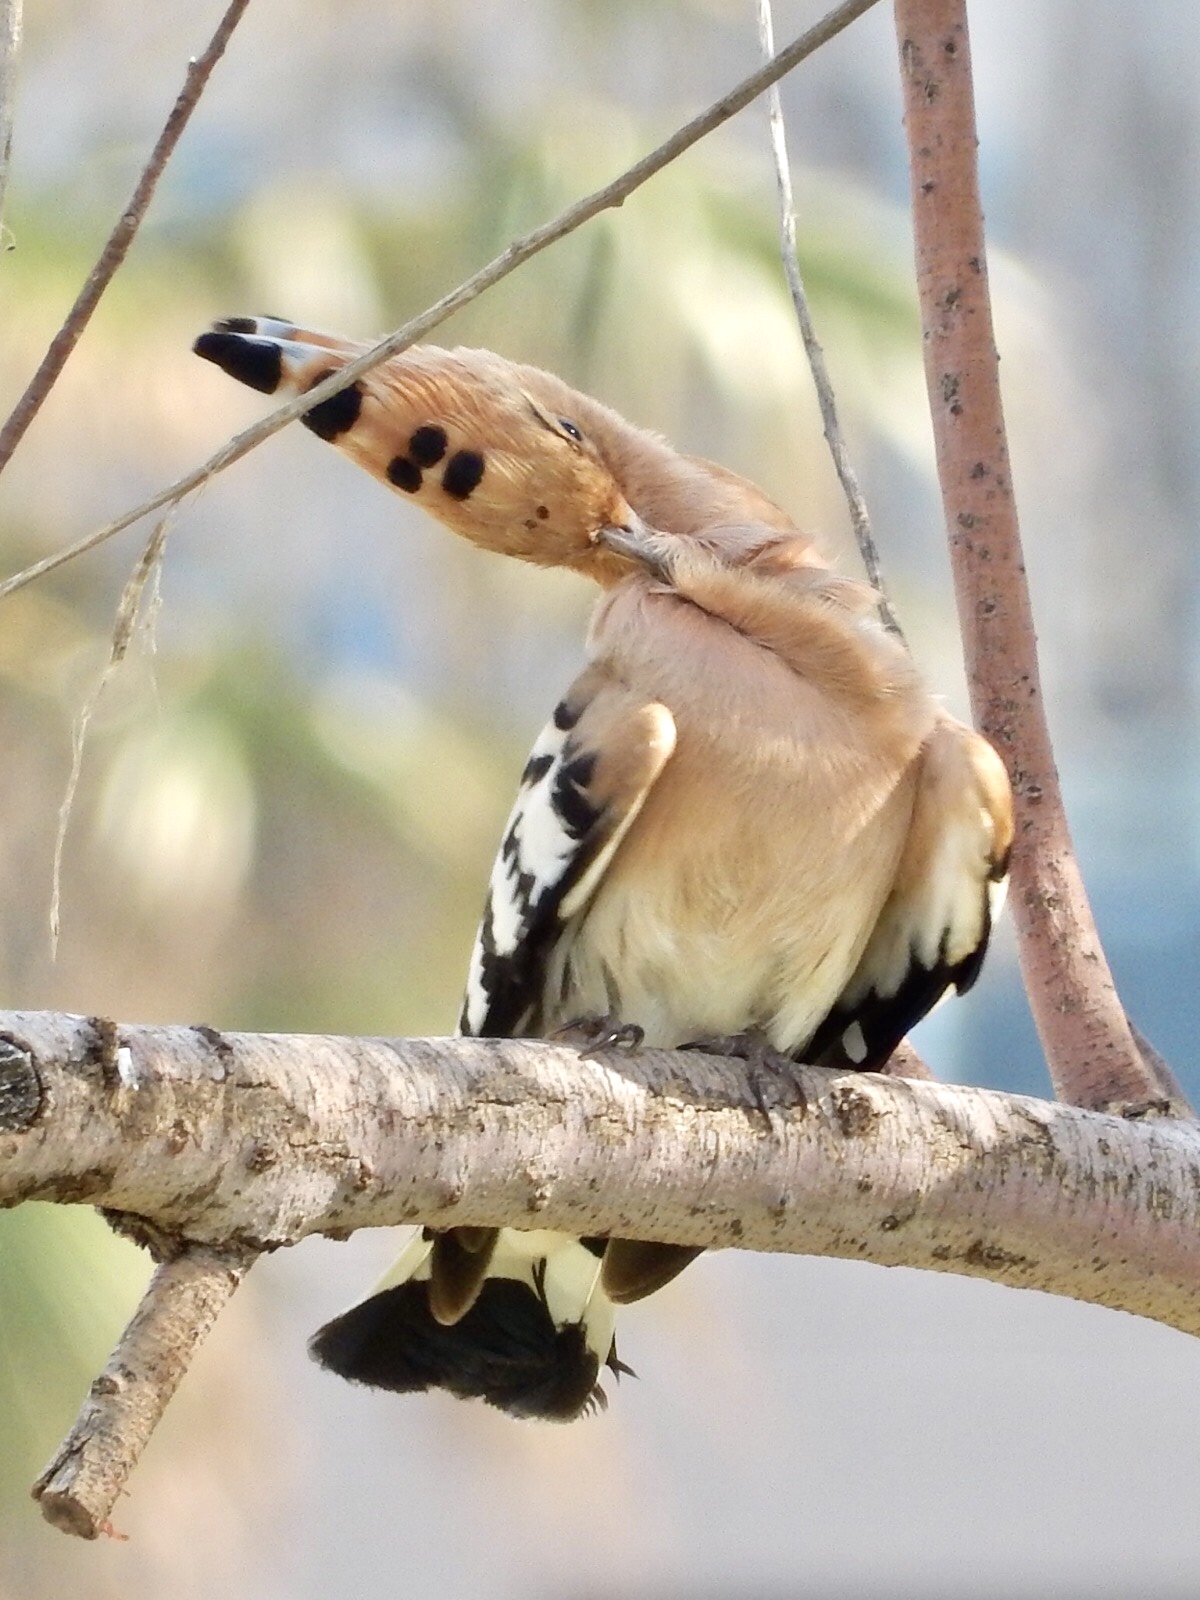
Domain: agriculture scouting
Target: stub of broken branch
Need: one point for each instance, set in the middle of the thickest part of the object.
(80, 1487)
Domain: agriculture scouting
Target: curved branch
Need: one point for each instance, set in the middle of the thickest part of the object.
(1091, 1054)
(250, 1141)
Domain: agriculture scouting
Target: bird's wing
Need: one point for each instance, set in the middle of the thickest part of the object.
(933, 931)
(585, 781)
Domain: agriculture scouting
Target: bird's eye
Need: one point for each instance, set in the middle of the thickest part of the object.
(569, 428)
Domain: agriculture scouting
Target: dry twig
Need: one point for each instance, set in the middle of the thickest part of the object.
(114, 252)
(129, 612)
(91, 1467)
(10, 50)
(859, 519)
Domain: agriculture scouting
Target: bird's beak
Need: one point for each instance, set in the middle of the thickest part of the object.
(638, 543)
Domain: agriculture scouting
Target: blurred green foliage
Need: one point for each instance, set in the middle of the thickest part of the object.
(274, 831)
(68, 1284)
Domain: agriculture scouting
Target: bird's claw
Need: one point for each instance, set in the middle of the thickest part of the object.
(765, 1067)
(593, 1035)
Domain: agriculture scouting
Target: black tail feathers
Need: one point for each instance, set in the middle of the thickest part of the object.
(505, 1350)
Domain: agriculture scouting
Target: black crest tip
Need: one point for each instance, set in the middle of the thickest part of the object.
(258, 363)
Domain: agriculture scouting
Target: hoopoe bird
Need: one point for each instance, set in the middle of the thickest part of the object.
(747, 819)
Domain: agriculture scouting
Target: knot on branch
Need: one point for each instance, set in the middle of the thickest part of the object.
(22, 1093)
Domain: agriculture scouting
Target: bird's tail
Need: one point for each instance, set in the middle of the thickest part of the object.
(518, 1319)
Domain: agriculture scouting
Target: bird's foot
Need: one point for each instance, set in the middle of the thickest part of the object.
(766, 1067)
(592, 1035)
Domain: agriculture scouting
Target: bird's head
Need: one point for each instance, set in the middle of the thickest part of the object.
(507, 456)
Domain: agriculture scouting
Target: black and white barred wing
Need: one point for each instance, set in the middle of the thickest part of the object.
(586, 779)
(933, 931)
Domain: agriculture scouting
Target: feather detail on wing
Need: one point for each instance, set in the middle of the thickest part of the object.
(586, 779)
(933, 931)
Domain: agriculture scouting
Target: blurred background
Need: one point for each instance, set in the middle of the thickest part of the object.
(293, 788)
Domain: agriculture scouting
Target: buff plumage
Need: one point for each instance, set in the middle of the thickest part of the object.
(746, 817)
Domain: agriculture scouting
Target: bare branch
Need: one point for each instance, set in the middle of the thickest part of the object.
(1091, 1054)
(198, 73)
(860, 521)
(250, 1141)
(10, 50)
(613, 194)
(79, 1488)
(215, 1147)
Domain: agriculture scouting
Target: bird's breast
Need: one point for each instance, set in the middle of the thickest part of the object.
(744, 893)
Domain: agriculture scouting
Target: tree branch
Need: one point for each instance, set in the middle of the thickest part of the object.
(79, 1488)
(1090, 1051)
(211, 1148)
(251, 1141)
(518, 252)
(198, 73)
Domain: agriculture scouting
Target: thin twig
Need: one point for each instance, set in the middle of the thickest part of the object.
(198, 73)
(78, 1490)
(613, 194)
(847, 477)
(129, 609)
(10, 49)
(1091, 1054)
